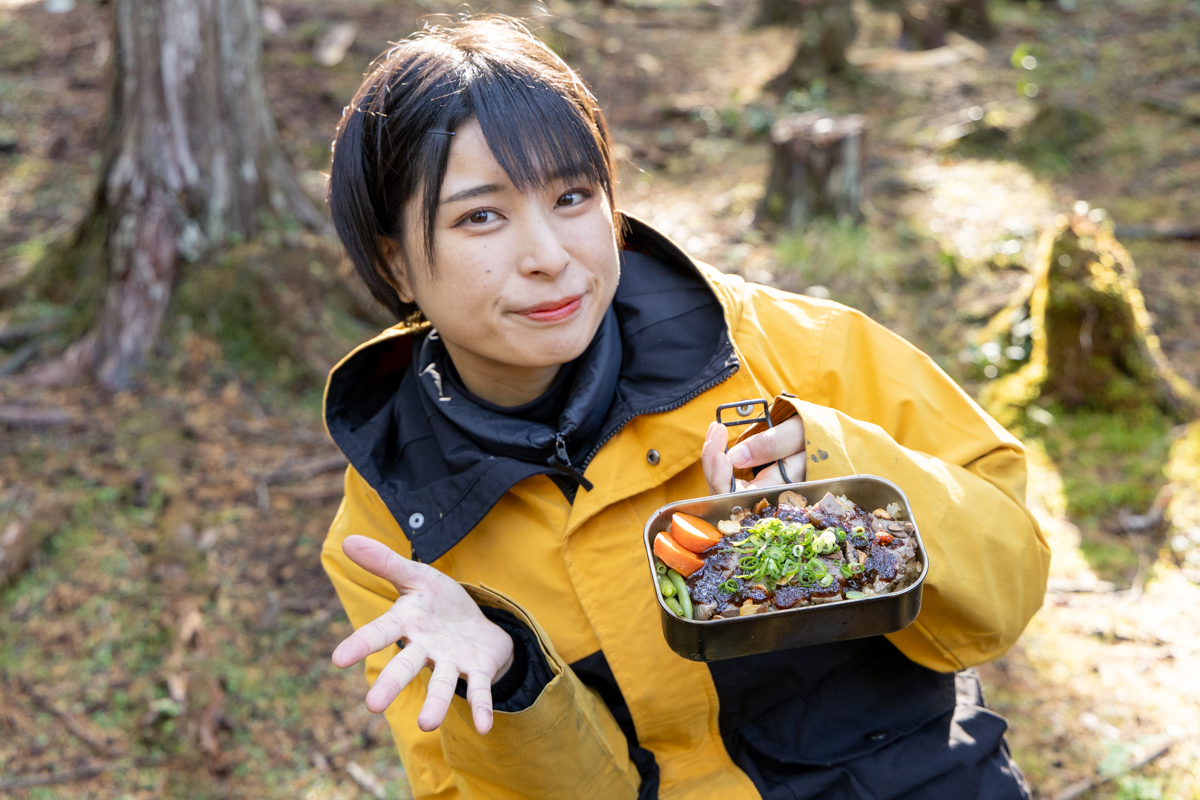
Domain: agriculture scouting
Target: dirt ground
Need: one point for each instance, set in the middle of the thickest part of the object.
(171, 635)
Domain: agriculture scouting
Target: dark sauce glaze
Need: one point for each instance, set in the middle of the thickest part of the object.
(883, 562)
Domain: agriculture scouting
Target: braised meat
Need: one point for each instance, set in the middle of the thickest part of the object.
(793, 554)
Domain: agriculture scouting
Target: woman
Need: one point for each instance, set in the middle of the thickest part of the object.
(550, 388)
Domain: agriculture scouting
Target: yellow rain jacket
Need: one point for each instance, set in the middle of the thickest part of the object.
(576, 573)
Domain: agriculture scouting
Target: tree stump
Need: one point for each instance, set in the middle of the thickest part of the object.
(817, 169)
(924, 23)
(1092, 343)
(778, 12)
(827, 29)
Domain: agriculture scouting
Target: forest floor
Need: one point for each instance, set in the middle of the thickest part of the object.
(171, 635)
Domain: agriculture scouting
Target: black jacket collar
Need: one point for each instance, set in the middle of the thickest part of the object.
(436, 482)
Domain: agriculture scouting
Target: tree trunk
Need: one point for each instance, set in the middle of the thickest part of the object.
(1092, 343)
(194, 161)
(827, 29)
(924, 23)
(817, 169)
(778, 12)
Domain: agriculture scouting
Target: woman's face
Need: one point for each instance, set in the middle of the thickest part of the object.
(520, 281)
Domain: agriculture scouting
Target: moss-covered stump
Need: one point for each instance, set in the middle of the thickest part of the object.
(1093, 345)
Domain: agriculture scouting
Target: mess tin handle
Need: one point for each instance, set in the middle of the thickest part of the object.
(744, 409)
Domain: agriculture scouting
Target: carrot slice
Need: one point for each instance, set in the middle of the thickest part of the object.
(693, 533)
(675, 556)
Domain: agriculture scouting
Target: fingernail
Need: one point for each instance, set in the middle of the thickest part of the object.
(739, 455)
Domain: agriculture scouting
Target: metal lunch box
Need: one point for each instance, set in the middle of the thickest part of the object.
(716, 639)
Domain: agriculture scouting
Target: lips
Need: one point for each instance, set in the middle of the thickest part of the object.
(553, 311)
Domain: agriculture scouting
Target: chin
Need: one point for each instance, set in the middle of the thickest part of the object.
(558, 349)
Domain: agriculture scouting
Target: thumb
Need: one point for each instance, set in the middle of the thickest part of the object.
(718, 471)
(379, 559)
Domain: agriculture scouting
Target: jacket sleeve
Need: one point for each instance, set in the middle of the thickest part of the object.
(874, 404)
(566, 744)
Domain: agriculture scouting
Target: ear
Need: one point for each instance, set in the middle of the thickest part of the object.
(396, 270)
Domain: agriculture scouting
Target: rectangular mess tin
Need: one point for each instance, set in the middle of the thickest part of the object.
(715, 639)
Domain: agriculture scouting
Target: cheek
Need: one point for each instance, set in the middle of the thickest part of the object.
(595, 246)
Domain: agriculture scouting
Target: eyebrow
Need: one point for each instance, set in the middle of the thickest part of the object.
(474, 191)
(565, 174)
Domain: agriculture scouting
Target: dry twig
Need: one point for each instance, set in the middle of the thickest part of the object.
(366, 780)
(75, 726)
(1082, 787)
(31, 416)
(306, 467)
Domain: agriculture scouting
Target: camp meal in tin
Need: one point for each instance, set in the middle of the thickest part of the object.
(789, 555)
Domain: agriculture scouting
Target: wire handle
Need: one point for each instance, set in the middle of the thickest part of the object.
(744, 407)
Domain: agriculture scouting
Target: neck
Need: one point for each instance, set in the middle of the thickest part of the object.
(503, 385)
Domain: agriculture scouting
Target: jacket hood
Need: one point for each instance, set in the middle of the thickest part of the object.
(435, 481)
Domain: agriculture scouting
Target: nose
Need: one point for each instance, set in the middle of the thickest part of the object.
(543, 250)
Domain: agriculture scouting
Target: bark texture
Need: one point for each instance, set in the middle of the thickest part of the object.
(817, 169)
(195, 159)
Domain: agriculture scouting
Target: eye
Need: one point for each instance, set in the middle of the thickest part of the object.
(573, 198)
(480, 217)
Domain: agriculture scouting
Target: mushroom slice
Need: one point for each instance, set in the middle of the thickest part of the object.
(792, 499)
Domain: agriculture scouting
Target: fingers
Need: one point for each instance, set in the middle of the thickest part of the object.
(438, 695)
(717, 469)
(770, 476)
(785, 439)
(370, 638)
(397, 674)
(479, 695)
(379, 559)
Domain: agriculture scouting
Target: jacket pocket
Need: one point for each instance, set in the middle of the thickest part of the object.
(855, 711)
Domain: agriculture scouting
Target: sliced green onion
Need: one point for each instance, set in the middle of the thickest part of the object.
(729, 587)
(826, 581)
(748, 562)
(853, 595)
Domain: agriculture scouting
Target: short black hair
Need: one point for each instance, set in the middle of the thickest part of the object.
(538, 118)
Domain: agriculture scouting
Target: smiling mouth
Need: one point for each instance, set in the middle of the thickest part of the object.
(554, 311)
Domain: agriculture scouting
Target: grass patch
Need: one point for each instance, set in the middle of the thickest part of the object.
(1108, 462)
(842, 259)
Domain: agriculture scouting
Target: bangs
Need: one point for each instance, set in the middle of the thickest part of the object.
(540, 131)
(536, 134)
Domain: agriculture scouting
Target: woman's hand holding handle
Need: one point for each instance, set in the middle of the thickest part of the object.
(784, 441)
(441, 627)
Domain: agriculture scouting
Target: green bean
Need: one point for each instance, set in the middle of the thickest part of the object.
(660, 568)
(665, 587)
(681, 592)
(673, 604)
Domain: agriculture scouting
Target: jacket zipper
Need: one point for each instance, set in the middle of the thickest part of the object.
(659, 410)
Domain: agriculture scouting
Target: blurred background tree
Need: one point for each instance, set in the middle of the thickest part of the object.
(192, 162)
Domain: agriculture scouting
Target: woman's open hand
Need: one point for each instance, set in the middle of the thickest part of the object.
(784, 441)
(440, 625)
